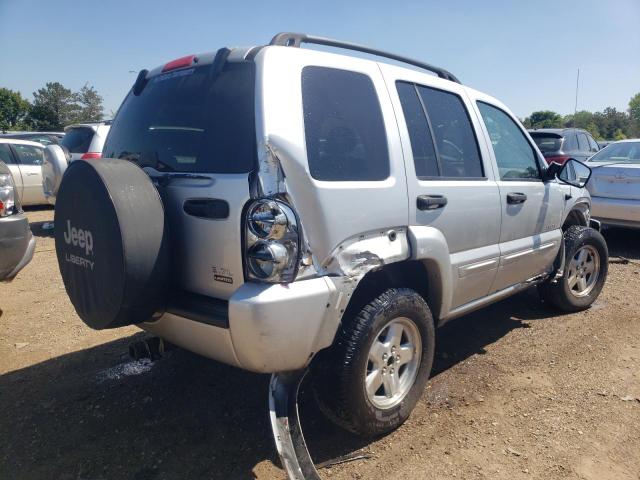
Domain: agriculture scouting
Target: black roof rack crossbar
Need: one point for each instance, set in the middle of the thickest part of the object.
(289, 39)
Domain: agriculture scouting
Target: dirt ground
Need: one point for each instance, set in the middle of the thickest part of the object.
(518, 391)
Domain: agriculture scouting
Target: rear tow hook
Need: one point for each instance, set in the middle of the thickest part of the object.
(285, 424)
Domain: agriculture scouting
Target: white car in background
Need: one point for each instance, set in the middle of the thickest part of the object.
(24, 159)
(85, 140)
(615, 184)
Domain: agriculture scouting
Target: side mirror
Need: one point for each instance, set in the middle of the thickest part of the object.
(574, 173)
(56, 160)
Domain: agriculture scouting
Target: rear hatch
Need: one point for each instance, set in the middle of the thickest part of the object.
(192, 130)
(77, 139)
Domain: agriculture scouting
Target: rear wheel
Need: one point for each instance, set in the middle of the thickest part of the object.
(372, 377)
(585, 271)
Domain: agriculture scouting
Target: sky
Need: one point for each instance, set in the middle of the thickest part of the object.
(525, 53)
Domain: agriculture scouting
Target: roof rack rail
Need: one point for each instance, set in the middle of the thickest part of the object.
(290, 39)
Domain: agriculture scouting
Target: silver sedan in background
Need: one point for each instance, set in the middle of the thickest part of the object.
(615, 184)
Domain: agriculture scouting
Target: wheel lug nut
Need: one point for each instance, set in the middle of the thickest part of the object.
(385, 356)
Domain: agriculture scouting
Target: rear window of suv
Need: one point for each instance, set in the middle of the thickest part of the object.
(546, 142)
(189, 121)
(77, 140)
(343, 124)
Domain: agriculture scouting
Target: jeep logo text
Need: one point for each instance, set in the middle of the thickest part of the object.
(79, 238)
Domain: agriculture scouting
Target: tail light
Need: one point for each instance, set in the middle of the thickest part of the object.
(272, 242)
(90, 155)
(9, 201)
(558, 159)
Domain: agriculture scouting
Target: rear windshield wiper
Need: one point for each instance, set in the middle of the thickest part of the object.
(167, 177)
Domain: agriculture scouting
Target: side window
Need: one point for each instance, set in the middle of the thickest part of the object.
(514, 154)
(583, 143)
(455, 141)
(344, 129)
(570, 143)
(424, 153)
(29, 155)
(5, 154)
(442, 138)
(593, 144)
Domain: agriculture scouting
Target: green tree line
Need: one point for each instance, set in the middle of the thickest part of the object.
(609, 124)
(53, 107)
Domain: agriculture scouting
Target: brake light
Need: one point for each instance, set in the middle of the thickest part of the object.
(90, 155)
(559, 159)
(179, 63)
(2, 209)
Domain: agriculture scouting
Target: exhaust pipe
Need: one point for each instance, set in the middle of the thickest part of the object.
(151, 348)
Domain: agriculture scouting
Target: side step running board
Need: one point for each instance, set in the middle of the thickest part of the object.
(285, 424)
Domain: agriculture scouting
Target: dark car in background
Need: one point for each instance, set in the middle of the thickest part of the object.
(45, 138)
(561, 144)
(17, 244)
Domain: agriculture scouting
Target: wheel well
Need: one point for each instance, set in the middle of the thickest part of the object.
(409, 274)
(575, 217)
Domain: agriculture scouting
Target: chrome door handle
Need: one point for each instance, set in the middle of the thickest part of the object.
(431, 202)
(515, 198)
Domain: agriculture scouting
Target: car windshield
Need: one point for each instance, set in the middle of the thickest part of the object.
(547, 142)
(188, 121)
(623, 152)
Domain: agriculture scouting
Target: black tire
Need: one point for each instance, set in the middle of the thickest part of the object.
(339, 372)
(559, 293)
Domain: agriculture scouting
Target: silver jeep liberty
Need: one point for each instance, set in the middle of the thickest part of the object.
(286, 210)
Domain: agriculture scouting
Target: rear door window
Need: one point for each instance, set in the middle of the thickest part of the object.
(442, 138)
(570, 143)
(422, 145)
(29, 155)
(77, 140)
(194, 120)
(583, 143)
(515, 156)
(344, 129)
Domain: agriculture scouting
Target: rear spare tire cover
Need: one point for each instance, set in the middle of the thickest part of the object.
(111, 243)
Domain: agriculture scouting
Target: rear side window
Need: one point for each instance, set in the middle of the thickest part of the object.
(424, 153)
(515, 156)
(29, 155)
(594, 147)
(442, 138)
(583, 143)
(77, 140)
(191, 120)
(344, 129)
(570, 143)
(5, 154)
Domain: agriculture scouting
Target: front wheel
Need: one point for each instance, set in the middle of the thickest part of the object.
(370, 380)
(585, 271)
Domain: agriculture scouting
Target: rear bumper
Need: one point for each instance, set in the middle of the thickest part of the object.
(17, 245)
(271, 328)
(613, 211)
